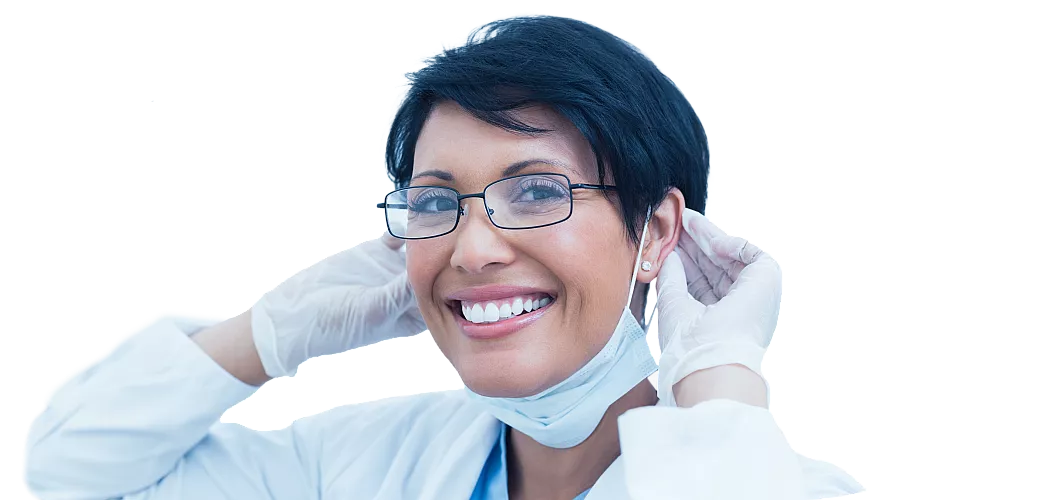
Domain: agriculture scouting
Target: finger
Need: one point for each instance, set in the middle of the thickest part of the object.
(671, 281)
(375, 312)
(700, 227)
(717, 276)
(694, 277)
(741, 254)
(728, 269)
(723, 284)
(692, 250)
(672, 286)
(735, 269)
(759, 287)
(702, 233)
(736, 248)
(699, 285)
(395, 297)
(672, 294)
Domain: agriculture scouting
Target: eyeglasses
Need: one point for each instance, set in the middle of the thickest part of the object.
(519, 202)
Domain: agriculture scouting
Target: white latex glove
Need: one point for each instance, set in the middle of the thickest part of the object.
(719, 298)
(354, 298)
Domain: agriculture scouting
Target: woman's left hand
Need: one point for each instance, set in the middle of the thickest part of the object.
(719, 298)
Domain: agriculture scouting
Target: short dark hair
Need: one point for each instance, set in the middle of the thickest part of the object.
(637, 122)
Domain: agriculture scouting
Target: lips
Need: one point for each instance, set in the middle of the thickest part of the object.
(493, 311)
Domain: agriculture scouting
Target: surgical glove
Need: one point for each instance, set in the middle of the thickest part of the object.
(354, 298)
(719, 298)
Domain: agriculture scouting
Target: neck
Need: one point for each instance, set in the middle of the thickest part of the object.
(536, 471)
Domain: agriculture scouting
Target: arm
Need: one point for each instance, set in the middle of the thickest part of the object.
(230, 345)
(734, 382)
(143, 424)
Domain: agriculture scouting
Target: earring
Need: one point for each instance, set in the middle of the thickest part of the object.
(646, 265)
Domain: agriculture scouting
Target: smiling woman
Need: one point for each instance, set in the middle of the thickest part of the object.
(593, 109)
(546, 173)
(582, 263)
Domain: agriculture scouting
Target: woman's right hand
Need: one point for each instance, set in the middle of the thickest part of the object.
(354, 298)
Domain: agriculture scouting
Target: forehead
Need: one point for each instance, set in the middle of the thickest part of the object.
(454, 141)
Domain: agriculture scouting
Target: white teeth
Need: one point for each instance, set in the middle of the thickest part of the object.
(477, 314)
(491, 312)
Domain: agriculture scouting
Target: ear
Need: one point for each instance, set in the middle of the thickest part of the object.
(665, 227)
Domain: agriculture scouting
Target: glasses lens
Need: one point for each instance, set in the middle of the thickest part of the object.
(421, 212)
(529, 201)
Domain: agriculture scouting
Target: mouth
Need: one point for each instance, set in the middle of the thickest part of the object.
(497, 317)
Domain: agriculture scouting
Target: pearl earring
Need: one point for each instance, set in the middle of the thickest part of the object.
(646, 265)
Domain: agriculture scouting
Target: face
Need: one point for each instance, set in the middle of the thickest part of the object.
(577, 271)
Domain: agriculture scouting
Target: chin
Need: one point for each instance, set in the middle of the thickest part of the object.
(506, 381)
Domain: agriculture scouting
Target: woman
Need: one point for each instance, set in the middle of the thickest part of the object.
(545, 171)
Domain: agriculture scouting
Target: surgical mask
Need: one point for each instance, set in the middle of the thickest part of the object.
(567, 413)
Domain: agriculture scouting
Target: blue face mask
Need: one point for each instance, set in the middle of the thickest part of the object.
(565, 414)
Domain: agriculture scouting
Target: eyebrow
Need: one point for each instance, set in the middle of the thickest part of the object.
(511, 169)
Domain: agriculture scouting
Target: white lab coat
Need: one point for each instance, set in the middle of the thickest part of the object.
(143, 424)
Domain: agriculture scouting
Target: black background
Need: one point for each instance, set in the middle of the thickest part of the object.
(901, 254)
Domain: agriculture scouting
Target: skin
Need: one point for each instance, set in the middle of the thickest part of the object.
(586, 261)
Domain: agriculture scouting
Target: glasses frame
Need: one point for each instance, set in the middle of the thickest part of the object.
(488, 211)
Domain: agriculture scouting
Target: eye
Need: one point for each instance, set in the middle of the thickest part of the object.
(541, 190)
(433, 202)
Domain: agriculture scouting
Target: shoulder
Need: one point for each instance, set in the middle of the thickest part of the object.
(824, 480)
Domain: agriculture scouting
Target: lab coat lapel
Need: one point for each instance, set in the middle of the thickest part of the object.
(458, 471)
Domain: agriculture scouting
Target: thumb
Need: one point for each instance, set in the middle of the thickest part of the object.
(672, 289)
(673, 300)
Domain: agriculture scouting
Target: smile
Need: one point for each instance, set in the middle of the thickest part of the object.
(494, 311)
(488, 319)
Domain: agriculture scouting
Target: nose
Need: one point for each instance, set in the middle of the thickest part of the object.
(479, 245)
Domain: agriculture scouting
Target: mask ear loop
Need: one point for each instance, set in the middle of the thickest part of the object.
(647, 318)
(638, 259)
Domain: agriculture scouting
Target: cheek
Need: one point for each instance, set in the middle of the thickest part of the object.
(592, 260)
(591, 252)
(423, 263)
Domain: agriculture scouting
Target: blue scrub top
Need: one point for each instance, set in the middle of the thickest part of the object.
(492, 484)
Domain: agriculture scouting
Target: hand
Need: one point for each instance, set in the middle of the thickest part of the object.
(719, 298)
(354, 298)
